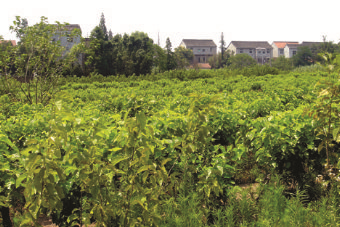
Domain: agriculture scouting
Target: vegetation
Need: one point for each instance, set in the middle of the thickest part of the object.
(240, 146)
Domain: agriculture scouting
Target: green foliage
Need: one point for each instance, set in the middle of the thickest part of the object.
(39, 64)
(303, 57)
(310, 68)
(183, 57)
(217, 61)
(326, 113)
(122, 55)
(169, 149)
(256, 70)
(170, 57)
(282, 63)
(240, 61)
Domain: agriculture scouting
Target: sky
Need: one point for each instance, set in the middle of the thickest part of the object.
(239, 20)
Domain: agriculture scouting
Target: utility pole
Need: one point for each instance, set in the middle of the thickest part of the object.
(158, 42)
(222, 49)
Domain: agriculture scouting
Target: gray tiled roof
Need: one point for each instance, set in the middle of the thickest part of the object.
(293, 45)
(199, 42)
(251, 44)
(304, 43)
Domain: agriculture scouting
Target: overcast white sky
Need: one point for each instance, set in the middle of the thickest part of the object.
(245, 20)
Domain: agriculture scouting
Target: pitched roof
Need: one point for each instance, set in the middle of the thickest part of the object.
(71, 27)
(13, 42)
(282, 44)
(199, 42)
(304, 43)
(293, 45)
(251, 44)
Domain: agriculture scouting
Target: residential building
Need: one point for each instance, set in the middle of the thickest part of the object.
(202, 49)
(67, 41)
(261, 51)
(279, 48)
(291, 49)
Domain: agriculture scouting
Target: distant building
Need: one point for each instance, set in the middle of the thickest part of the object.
(202, 49)
(261, 51)
(280, 48)
(67, 41)
(291, 49)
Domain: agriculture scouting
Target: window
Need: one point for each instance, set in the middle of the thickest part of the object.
(199, 50)
(203, 50)
(241, 51)
(294, 52)
(210, 49)
(250, 51)
(268, 51)
(281, 51)
(203, 59)
(263, 52)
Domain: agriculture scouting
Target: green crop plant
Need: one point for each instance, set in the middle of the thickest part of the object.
(326, 112)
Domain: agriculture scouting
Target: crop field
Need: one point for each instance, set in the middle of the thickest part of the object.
(181, 148)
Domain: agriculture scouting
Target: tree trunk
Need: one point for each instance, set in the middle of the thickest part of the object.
(6, 220)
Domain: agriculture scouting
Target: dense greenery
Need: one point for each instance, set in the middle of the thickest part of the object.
(170, 149)
(244, 145)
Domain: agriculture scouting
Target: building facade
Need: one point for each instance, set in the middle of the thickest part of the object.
(261, 51)
(280, 48)
(66, 40)
(202, 49)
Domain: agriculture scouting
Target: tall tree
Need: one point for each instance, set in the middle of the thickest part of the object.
(110, 35)
(103, 26)
(222, 49)
(170, 59)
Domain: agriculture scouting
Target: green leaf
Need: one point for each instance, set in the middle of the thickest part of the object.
(143, 168)
(19, 180)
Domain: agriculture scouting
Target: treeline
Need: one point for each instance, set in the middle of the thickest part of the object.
(129, 54)
(134, 54)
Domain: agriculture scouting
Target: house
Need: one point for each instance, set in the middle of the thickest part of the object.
(291, 49)
(261, 51)
(202, 49)
(67, 41)
(280, 49)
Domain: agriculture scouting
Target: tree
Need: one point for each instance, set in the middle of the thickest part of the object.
(21, 24)
(97, 54)
(183, 57)
(42, 62)
(217, 61)
(159, 59)
(241, 60)
(141, 51)
(110, 35)
(282, 63)
(303, 56)
(102, 26)
(170, 59)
